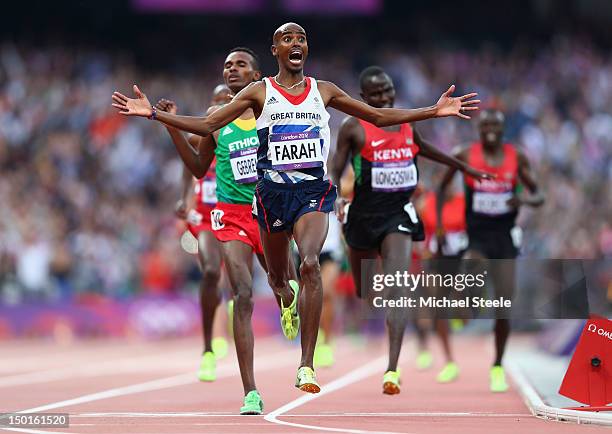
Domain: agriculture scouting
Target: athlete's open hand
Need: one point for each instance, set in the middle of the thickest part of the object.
(440, 241)
(180, 209)
(517, 201)
(166, 105)
(139, 106)
(479, 174)
(449, 105)
(341, 208)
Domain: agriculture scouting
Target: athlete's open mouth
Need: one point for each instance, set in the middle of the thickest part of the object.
(295, 56)
(233, 77)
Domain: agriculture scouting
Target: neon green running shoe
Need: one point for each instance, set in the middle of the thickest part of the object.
(424, 360)
(498, 379)
(449, 373)
(323, 356)
(220, 347)
(391, 383)
(306, 380)
(253, 404)
(456, 324)
(208, 367)
(230, 317)
(321, 338)
(290, 317)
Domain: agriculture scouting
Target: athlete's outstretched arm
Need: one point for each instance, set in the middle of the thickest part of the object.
(247, 98)
(206, 150)
(186, 184)
(527, 177)
(345, 146)
(447, 105)
(186, 149)
(430, 151)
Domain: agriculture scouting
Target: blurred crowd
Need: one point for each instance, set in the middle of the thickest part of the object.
(87, 195)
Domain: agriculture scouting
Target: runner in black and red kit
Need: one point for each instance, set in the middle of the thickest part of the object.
(381, 221)
(491, 209)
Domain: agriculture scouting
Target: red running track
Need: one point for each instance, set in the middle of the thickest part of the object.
(150, 387)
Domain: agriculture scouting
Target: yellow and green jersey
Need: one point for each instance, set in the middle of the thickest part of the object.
(236, 154)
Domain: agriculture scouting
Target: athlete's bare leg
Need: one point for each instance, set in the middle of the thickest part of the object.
(503, 276)
(441, 322)
(220, 326)
(421, 331)
(209, 254)
(310, 231)
(277, 258)
(262, 261)
(503, 281)
(396, 252)
(330, 271)
(238, 258)
(293, 275)
(443, 334)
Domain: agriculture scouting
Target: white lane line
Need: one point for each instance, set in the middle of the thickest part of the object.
(539, 409)
(136, 415)
(31, 431)
(154, 414)
(272, 361)
(351, 377)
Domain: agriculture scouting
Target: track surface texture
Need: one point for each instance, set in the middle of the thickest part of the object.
(151, 387)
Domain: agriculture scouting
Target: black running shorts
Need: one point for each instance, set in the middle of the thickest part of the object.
(365, 231)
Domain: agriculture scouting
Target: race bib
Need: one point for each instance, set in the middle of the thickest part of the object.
(289, 151)
(209, 191)
(394, 176)
(491, 203)
(215, 219)
(194, 217)
(244, 165)
(206, 191)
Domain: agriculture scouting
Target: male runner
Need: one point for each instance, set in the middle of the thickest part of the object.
(381, 220)
(235, 148)
(294, 195)
(491, 210)
(209, 251)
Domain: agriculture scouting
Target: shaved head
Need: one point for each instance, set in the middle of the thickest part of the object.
(491, 126)
(492, 115)
(219, 89)
(221, 95)
(287, 28)
(290, 47)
